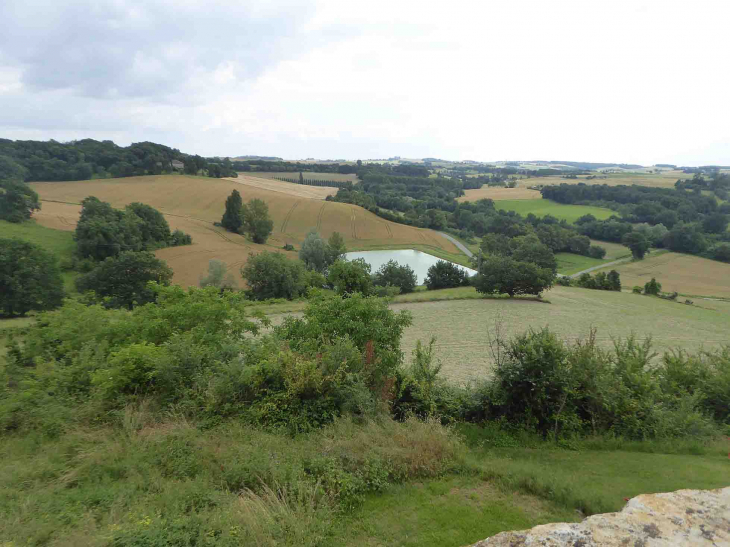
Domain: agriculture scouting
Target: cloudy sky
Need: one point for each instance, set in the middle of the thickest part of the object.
(591, 80)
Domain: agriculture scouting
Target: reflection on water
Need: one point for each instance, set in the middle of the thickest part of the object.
(420, 262)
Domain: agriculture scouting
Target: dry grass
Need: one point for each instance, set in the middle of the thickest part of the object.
(665, 179)
(685, 274)
(338, 177)
(297, 190)
(496, 193)
(461, 327)
(194, 203)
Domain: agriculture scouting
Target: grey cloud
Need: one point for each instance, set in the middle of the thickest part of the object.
(116, 49)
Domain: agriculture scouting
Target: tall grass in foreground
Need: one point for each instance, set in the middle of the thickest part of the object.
(151, 482)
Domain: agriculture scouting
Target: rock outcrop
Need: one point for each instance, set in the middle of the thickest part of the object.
(685, 517)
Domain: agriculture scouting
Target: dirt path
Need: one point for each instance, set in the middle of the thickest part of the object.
(600, 266)
(460, 245)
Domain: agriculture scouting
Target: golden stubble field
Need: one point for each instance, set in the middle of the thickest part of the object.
(461, 327)
(193, 204)
(297, 190)
(665, 179)
(685, 274)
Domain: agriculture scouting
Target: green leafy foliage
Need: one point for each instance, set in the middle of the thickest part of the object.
(652, 287)
(273, 275)
(103, 231)
(233, 217)
(508, 276)
(348, 277)
(123, 281)
(218, 276)
(637, 243)
(257, 221)
(601, 281)
(17, 200)
(393, 274)
(319, 255)
(30, 279)
(445, 275)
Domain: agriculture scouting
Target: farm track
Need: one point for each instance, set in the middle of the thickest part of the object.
(352, 218)
(288, 216)
(390, 232)
(320, 215)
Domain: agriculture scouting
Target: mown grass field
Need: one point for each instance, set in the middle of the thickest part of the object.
(193, 204)
(338, 177)
(461, 327)
(542, 207)
(497, 194)
(686, 274)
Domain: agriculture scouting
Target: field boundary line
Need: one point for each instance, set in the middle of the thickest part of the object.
(390, 232)
(320, 215)
(352, 218)
(288, 216)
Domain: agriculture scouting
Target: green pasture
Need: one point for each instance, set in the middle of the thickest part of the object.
(543, 207)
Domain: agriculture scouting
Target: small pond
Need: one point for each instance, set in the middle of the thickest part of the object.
(420, 262)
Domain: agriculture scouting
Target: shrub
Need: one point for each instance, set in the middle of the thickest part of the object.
(288, 247)
(596, 251)
(30, 278)
(445, 275)
(218, 276)
(636, 289)
(123, 281)
(393, 274)
(652, 287)
(564, 280)
(348, 277)
(272, 275)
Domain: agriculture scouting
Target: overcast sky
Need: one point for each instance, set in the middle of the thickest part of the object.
(589, 80)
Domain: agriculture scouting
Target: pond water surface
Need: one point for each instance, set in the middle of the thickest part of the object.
(420, 262)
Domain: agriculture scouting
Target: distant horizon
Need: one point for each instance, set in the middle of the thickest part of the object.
(641, 81)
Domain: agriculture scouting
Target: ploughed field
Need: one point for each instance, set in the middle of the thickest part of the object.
(193, 204)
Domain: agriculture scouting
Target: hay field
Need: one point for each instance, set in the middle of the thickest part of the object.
(461, 326)
(338, 177)
(297, 190)
(194, 203)
(497, 193)
(665, 179)
(685, 274)
(542, 207)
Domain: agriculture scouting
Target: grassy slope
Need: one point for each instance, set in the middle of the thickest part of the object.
(543, 207)
(60, 243)
(686, 274)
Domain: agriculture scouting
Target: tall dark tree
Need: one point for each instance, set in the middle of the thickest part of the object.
(233, 217)
(445, 275)
(30, 279)
(396, 275)
(637, 243)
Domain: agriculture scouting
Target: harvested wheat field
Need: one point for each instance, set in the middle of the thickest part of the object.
(339, 177)
(193, 204)
(685, 274)
(665, 179)
(297, 190)
(497, 193)
(461, 327)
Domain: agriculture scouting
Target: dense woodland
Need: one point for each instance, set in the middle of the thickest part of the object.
(685, 219)
(86, 159)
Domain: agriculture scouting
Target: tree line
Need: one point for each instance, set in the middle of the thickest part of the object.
(85, 159)
(317, 182)
(682, 219)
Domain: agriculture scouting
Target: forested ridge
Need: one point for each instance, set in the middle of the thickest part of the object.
(86, 159)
